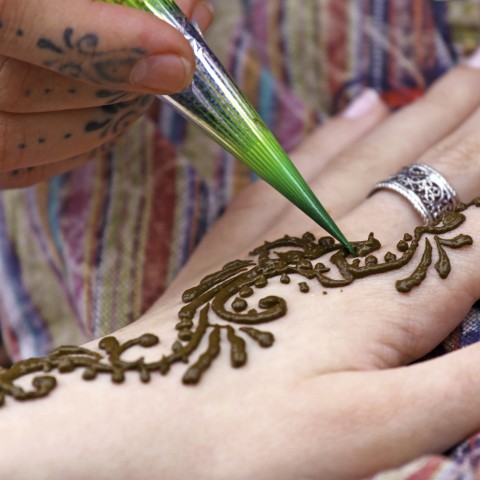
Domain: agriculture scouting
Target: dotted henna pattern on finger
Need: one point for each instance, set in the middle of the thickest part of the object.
(81, 57)
(226, 291)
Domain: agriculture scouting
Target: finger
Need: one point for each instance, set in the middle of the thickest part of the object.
(26, 177)
(26, 88)
(83, 42)
(400, 140)
(200, 11)
(28, 140)
(391, 417)
(455, 157)
(405, 136)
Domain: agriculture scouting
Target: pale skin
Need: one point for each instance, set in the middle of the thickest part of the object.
(336, 396)
(68, 86)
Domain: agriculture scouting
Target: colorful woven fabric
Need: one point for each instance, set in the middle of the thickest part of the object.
(89, 251)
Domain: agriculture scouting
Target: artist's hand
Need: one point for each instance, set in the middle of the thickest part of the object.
(333, 398)
(75, 74)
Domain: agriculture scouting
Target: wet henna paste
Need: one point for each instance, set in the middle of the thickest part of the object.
(234, 283)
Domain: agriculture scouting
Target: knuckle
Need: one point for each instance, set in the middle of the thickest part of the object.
(461, 155)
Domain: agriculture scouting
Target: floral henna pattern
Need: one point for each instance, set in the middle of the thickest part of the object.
(226, 292)
(81, 57)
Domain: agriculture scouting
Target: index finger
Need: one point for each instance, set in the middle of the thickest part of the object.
(95, 42)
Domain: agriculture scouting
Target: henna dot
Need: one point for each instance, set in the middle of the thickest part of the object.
(371, 260)
(72, 91)
(325, 293)
(42, 140)
(30, 169)
(356, 263)
(390, 257)
(246, 292)
(20, 32)
(407, 237)
(310, 237)
(22, 146)
(239, 304)
(148, 340)
(304, 288)
(67, 136)
(27, 93)
(14, 173)
(1, 24)
(185, 335)
(402, 246)
(184, 324)
(285, 278)
(89, 374)
(47, 91)
(268, 302)
(261, 282)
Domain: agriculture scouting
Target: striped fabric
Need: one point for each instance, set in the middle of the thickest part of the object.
(87, 252)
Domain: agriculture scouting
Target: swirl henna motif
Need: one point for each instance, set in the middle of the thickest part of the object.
(82, 58)
(226, 292)
(118, 117)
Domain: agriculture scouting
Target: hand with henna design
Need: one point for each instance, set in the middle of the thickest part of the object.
(337, 390)
(74, 75)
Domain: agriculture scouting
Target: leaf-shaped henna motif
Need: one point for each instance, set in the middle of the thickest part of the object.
(419, 274)
(226, 292)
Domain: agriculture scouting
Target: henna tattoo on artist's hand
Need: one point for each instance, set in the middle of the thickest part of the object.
(113, 119)
(112, 96)
(80, 56)
(118, 116)
(225, 293)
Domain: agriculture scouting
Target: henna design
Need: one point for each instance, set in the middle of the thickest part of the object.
(225, 292)
(71, 53)
(120, 116)
(112, 96)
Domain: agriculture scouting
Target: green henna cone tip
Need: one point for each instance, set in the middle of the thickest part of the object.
(215, 104)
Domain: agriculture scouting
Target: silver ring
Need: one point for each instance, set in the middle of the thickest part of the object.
(425, 188)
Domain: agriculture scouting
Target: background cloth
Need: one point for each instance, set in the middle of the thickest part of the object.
(89, 251)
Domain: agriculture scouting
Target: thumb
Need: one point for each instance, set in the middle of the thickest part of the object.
(98, 43)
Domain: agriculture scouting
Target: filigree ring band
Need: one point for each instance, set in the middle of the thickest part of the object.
(424, 187)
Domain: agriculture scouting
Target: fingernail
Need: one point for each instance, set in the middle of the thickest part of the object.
(361, 105)
(474, 60)
(203, 14)
(162, 73)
